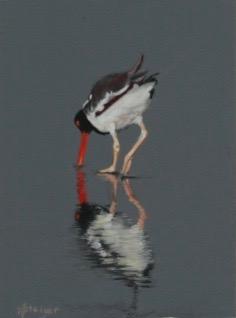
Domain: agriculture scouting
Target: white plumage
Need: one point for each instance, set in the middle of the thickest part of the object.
(125, 111)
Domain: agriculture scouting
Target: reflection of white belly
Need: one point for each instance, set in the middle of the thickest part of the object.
(127, 243)
(125, 111)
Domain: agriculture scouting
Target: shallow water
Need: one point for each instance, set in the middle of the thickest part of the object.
(51, 263)
(161, 244)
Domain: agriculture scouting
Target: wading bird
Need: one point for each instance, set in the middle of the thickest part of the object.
(115, 102)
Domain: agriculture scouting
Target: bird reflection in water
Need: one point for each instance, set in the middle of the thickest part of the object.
(113, 242)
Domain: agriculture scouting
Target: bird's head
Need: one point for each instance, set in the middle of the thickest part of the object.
(85, 128)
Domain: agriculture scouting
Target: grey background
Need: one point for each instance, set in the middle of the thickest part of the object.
(51, 53)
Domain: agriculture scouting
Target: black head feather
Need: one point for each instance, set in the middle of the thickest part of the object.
(82, 122)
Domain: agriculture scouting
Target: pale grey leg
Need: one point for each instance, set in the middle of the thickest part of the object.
(130, 155)
(116, 150)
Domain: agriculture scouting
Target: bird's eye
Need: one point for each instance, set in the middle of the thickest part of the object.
(77, 123)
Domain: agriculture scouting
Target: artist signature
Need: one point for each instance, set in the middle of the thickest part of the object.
(26, 310)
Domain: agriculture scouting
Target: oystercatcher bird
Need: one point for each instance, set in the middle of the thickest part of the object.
(116, 101)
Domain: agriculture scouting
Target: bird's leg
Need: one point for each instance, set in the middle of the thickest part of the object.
(129, 157)
(116, 150)
(114, 180)
(134, 200)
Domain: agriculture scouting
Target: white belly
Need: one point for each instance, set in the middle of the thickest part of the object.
(125, 111)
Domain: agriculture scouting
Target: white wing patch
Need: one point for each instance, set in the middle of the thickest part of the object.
(87, 100)
(85, 103)
(102, 102)
(122, 90)
(108, 96)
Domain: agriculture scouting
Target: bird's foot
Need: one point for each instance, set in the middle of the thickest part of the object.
(111, 177)
(110, 169)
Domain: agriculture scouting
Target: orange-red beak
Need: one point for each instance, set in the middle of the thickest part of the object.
(83, 148)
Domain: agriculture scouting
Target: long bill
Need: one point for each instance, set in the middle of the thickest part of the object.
(83, 148)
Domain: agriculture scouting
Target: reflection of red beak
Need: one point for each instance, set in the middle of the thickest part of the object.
(83, 148)
(82, 197)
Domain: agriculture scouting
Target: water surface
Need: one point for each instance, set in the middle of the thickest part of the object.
(180, 222)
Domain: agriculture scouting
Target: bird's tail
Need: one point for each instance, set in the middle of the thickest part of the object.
(151, 78)
(138, 77)
(136, 67)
